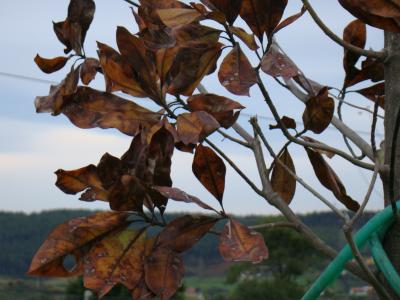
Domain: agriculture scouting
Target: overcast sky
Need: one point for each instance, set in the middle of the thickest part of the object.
(33, 146)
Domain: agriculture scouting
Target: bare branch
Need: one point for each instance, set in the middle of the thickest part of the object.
(373, 126)
(275, 225)
(287, 134)
(355, 106)
(275, 200)
(368, 53)
(346, 140)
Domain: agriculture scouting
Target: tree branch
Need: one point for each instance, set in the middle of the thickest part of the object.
(233, 139)
(287, 134)
(343, 128)
(275, 225)
(275, 200)
(368, 53)
(257, 129)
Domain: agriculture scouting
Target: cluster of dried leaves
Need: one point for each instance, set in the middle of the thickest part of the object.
(168, 58)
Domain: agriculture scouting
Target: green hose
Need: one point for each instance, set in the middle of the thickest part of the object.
(384, 264)
(332, 272)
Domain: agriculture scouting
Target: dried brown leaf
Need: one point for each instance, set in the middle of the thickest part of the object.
(240, 243)
(183, 233)
(164, 272)
(319, 112)
(195, 127)
(71, 238)
(51, 65)
(329, 179)
(116, 259)
(224, 110)
(89, 69)
(282, 182)
(245, 37)
(173, 17)
(275, 64)
(262, 16)
(377, 13)
(210, 170)
(236, 73)
(89, 108)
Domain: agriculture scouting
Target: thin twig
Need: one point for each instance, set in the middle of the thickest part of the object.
(258, 130)
(275, 200)
(373, 127)
(371, 186)
(233, 139)
(346, 140)
(355, 106)
(275, 225)
(368, 53)
(132, 3)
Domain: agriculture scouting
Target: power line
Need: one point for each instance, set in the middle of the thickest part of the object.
(270, 119)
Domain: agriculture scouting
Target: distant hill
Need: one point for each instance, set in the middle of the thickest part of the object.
(22, 234)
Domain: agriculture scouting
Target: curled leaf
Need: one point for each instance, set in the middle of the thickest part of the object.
(54, 102)
(72, 31)
(51, 65)
(89, 70)
(83, 179)
(240, 243)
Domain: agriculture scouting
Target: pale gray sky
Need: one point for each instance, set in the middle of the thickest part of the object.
(33, 146)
